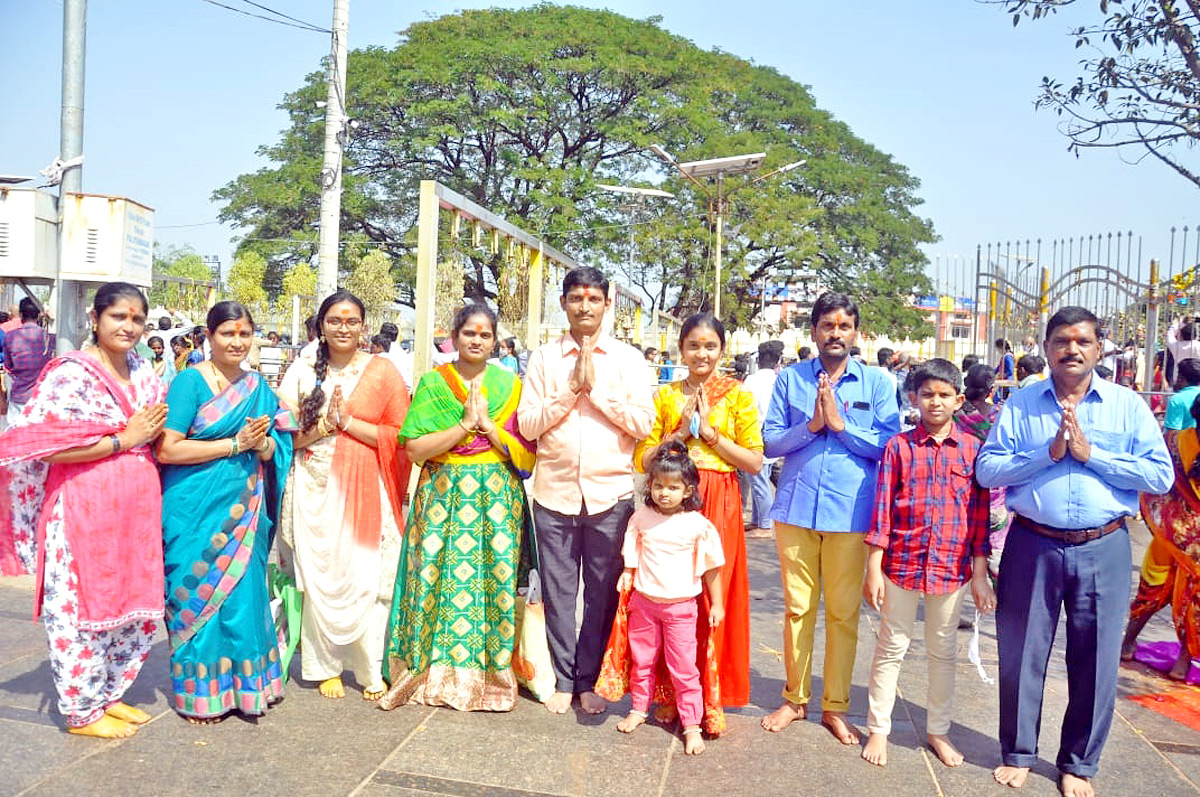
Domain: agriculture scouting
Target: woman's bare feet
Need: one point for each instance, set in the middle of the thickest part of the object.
(946, 752)
(693, 742)
(592, 703)
(1013, 777)
(1075, 786)
(559, 702)
(332, 688)
(206, 720)
(631, 722)
(875, 751)
(106, 728)
(374, 694)
(127, 713)
(842, 730)
(783, 716)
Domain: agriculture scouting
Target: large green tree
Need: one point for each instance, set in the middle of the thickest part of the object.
(1139, 84)
(526, 111)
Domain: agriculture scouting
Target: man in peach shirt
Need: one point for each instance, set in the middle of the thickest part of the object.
(586, 400)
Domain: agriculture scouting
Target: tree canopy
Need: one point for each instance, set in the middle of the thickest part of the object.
(526, 111)
(1139, 87)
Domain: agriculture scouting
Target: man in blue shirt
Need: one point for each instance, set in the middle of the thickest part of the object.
(1074, 451)
(829, 418)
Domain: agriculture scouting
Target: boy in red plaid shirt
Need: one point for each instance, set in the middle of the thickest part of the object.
(929, 539)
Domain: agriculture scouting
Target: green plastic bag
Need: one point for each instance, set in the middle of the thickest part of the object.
(286, 610)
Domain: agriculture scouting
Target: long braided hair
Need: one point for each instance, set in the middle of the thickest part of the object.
(310, 405)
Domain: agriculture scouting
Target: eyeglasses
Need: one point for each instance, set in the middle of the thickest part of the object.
(344, 323)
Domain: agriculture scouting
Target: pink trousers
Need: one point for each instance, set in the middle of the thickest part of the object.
(670, 628)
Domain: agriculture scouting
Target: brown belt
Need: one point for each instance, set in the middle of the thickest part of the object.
(1071, 536)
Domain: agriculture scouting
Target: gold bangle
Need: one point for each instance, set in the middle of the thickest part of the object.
(465, 429)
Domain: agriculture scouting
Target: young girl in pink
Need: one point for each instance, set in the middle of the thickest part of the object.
(670, 548)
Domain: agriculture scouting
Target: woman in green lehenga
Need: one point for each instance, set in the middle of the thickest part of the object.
(452, 625)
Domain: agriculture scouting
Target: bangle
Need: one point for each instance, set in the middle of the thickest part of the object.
(346, 425)
(116, 444)
(264, 446)
(464, 428)
(233, 446)
(323, 428)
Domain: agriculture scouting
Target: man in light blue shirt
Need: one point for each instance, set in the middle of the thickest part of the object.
(829, 418)
(1074, 451)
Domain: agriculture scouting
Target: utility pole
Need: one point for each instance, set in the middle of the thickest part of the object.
(335, 136)
(70, 317)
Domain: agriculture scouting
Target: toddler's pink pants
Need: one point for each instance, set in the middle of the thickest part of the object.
(671, 628)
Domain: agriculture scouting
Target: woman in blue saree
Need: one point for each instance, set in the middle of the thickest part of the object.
(226, 450)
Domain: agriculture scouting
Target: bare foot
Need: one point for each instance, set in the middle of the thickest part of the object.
(559, 702)
(106, 728)
(1128, 648)
(875, 751)
(1075, 786)
(631, 722)
(1182, 666)
(592, 703)
(842, 730)
(127, 713)
(946, 752)
(1013, 777)
(784, 716)
(374, 694)
(332, 688)
(693, 742)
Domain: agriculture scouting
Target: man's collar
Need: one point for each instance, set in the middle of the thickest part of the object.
(1094, 387)
(570, 345)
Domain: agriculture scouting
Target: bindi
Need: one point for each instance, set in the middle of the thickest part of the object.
(479, 329)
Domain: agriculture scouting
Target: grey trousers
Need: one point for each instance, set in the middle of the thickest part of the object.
(568, 545)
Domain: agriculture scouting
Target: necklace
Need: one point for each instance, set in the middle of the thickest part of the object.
(218, 377)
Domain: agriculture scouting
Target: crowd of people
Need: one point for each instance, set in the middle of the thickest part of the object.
(908, 483)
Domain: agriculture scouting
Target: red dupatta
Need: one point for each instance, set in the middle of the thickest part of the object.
(379, 398)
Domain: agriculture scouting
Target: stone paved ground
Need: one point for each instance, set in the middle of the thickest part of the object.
(310, 746)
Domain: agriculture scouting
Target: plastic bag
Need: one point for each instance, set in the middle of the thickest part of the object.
(531, 654)
(286, 608)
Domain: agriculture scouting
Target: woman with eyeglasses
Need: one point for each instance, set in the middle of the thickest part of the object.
(342, 518)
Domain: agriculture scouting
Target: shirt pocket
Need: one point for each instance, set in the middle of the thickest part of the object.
(962, 480)
(1108, 441)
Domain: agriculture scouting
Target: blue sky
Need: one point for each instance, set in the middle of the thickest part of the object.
(180, 93)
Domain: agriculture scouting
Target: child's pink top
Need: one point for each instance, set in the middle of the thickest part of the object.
(671, 553)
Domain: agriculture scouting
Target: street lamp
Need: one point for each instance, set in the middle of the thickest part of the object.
(720, 168)
(636, 196)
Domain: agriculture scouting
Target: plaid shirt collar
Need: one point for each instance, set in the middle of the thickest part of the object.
(922, 437)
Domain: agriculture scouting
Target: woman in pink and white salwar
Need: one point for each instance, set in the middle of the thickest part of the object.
(86, 513)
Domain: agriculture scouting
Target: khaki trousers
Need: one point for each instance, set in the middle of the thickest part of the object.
(811, 561)
(941, 645)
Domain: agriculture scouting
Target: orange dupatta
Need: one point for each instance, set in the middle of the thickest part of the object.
(379, 398)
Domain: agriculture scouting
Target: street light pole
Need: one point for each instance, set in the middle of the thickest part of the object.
(331, 174)
(720, 167)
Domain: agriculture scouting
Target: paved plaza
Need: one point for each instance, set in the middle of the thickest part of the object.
(311, 746)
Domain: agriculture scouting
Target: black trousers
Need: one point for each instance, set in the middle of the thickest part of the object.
(567, 546)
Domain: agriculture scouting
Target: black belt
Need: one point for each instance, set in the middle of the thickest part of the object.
(1071, 536)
